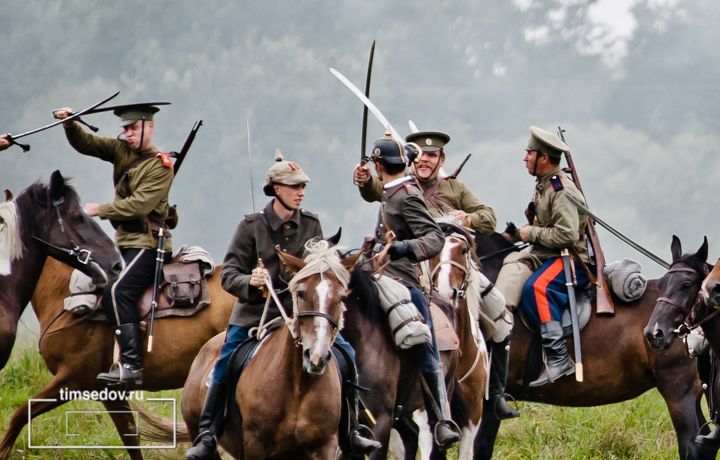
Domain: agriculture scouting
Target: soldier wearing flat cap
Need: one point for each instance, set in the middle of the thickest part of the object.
(142, 176)
(450, 196)
(251, 258)
(554, 224)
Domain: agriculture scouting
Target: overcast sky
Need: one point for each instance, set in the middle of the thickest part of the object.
(634, 82)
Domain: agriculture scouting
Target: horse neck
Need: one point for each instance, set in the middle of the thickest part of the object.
(16, 289)
(288, 357)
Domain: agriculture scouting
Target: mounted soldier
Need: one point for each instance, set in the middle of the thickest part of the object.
(142, 176)
(450, 196)
(535, 277)
(412, 236)
(251, 258)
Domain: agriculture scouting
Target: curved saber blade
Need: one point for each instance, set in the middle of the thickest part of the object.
(413, 127)
(368, 103)
(71, 117)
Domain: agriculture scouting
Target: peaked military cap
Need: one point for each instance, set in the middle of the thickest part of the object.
(388, 151)
(429, 141)
(546, 142)
(283, 172)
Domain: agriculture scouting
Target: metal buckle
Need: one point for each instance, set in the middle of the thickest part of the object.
(83, 255)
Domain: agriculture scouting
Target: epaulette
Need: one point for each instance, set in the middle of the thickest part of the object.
(252, 217)
(165, 158)
(556, 182)
(307, 213)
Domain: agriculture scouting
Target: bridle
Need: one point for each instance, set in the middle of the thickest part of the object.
(82, 255)
(465, 269)
(688, 323)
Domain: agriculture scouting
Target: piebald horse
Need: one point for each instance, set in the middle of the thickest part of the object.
(289, 395)
(76, 350)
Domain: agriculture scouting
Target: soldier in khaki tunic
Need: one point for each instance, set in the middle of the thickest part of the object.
(556, 224)
(4, 142)
(416, 237)
(450, 196)
(250, 258)
(142, 177)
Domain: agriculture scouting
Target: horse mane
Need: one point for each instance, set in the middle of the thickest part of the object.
(449, 226)
(365, 292)
(319, 258)
(11, 244)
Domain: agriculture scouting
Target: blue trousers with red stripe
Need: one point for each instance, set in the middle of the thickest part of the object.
(545, 295)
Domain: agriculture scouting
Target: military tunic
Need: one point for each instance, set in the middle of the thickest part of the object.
(450, 194)
(142, 190)
(557, 224)
(258, 234)
(404, 212)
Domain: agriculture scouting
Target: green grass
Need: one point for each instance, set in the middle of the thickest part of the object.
(637, 429)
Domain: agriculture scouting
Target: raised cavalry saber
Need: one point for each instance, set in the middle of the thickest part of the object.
(263, 289)
(619, 235)
(363, 142)
(75, 116)
(570, 284)
(368, 103)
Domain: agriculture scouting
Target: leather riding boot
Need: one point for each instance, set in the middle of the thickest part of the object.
(360, 437)
(446, 431)
(710, 440)
(559, 363)
(128, 372)
(498, 379)
(210, 425)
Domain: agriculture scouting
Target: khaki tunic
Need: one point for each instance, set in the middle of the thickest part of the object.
(144, 189)
(259, 233)
(404, 212)
(558, 223)
(451, 194)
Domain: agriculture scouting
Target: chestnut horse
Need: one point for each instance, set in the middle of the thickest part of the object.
(619, 365)
(46, 221)
(289, 395)
(454, 274)
(76, 350)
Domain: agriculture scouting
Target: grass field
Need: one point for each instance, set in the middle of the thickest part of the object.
(637, 429)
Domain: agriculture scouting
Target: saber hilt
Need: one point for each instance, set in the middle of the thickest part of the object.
(159, 260)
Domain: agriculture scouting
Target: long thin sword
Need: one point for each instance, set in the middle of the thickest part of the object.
(263, 289)
(619, 235)
(363, 140)
(368, 103)
(26, 148)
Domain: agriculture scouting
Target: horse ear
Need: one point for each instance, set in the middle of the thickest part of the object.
(293, 264)
(57, 185)
(676, 248)
(702, 253)
(8, 195)
(335, 239)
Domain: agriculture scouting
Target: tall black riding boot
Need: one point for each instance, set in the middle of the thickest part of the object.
(498, 378)
(210, 425)
(446, 431)
(559, 363)
(360, 440)
(128, 372)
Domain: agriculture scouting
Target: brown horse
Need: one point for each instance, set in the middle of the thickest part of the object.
(76, 350)
(454, 274)
(289, 395)
(46, 221)
(619, 365)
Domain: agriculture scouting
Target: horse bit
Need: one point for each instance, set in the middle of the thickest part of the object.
(82, 255)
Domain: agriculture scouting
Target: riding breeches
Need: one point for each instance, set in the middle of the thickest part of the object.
(235, 335)
(545, 294)
(120, 298)
(425, 355)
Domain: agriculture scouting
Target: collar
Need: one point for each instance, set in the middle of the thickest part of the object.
(275, 221)
(397, 182)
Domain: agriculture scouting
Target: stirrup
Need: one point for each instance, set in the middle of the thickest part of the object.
(504, 397)
(365, 433)
(449, 424)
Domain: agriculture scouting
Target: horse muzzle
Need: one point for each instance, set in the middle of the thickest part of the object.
(657, 337)
(315, 361)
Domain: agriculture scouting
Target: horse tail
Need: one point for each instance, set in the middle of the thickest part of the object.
(459, 407)
(160, 429)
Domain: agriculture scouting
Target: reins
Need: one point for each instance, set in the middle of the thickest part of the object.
(82, 255)
(690, 311)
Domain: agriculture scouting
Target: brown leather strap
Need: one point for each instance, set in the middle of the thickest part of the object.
(584, 266)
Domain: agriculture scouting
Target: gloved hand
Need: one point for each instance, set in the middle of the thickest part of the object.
(399, 249)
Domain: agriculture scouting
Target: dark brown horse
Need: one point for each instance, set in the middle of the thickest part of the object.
(289, 394)
(619, 365)
(46, 221)
(76, 350)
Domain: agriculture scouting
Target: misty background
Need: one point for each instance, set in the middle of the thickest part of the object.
(634, 83)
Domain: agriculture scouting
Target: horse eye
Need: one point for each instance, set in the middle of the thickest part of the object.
(301, 295)
(686, 284)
